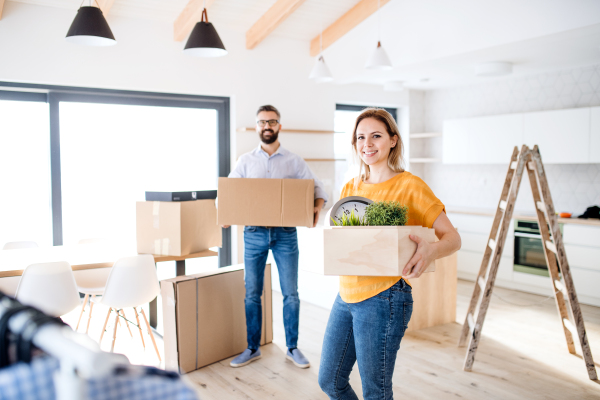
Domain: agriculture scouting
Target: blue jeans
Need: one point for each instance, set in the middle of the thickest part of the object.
(283, 242)
(368, 332)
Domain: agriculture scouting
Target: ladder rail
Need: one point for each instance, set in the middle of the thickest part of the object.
(549, 255)
(500, 211)
(493, 270)
(564, 265)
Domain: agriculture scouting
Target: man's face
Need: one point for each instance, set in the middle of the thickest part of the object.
(268, 134)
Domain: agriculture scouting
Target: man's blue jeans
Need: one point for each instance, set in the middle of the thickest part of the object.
(368, 332)
(283, 242)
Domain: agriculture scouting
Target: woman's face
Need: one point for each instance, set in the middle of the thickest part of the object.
(373, 142)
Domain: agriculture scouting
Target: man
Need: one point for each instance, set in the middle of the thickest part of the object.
(271, 160)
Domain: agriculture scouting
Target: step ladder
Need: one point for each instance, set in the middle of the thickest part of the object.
(554, 250)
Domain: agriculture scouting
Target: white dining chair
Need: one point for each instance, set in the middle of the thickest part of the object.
(19, 245)
(132, 282)
(49, 287)
(90, 282)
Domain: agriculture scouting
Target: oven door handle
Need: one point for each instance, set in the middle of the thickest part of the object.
(528, 235)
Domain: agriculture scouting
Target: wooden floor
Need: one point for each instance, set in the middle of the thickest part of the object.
(522, 355)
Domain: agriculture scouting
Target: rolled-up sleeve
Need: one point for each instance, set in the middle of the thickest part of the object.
(304, 172)
(238, 171)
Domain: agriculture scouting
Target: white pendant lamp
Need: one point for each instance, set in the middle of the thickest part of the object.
(379, 58)
(493, 69)
(320, 72)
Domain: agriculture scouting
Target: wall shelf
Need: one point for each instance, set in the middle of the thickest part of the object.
(325, 159)
(425, 160)
(424, 135)
(291, 131)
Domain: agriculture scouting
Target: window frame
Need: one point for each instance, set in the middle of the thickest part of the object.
(53, 95)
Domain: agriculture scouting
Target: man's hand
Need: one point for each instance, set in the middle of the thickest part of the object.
(422, 258)
(318, 207)
(225, 226)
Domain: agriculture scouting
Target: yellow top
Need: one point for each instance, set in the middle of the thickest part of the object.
(423, 210)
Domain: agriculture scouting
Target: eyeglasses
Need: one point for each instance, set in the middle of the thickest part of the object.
(271, 122)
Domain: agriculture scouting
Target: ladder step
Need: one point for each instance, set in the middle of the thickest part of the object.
(502, 205)
(492, 244)
(481, 283)
(471, 322)
(531, 165)
(513, 165)
(541, 206)
(569, 325)
(560, 287)
(550, 246)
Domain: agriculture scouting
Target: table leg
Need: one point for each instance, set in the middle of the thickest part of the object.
(153, 308)
(180, 265)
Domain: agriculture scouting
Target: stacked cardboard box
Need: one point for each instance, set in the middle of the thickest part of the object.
(205, 320)
(176, 228)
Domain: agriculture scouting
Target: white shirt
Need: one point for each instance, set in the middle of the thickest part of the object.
(283, 164)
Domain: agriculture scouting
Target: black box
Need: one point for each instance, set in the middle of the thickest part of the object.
(181, 196)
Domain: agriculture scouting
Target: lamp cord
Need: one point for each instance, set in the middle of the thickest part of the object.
(378, 22)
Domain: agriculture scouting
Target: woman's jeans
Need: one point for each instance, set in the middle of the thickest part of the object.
(368, 332)
(283, 242)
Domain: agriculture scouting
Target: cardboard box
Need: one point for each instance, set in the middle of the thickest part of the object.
(371, 250)
(266, 202)
(205, 319)
(176, 228)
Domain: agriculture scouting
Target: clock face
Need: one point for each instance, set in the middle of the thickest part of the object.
(347, 205)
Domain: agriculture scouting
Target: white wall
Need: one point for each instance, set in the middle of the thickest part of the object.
(146, 58)
(574, 187)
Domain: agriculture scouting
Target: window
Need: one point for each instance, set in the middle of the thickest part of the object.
(25, 209)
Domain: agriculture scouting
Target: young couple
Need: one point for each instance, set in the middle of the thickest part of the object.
(370, 314)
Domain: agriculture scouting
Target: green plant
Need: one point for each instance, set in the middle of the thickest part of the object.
(349, 220)
(385, 213)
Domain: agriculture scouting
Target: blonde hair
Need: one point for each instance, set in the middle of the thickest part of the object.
(395, 159)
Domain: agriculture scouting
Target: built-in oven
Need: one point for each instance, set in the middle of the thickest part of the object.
(529, 254)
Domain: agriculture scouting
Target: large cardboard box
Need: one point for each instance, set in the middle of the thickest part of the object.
(176, 228)
(205, 319)
(266, 202)
(371, 250)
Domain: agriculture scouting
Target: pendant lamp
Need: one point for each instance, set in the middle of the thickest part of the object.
(90, 28)
(320, 72)
(379, 58)
(204, 41)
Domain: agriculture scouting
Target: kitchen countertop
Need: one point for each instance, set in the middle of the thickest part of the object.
(527, 216)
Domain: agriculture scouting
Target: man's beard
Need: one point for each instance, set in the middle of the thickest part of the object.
(271, 139)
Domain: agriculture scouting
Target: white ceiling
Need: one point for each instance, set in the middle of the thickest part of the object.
(437, 40)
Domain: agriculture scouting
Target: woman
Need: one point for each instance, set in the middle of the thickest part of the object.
(370, 314)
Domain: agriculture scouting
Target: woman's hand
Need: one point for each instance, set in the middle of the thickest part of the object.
(424, 255)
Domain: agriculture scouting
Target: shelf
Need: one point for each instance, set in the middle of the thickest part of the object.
(424, 135)
(425, 160)
(291, 131)
(325, 159)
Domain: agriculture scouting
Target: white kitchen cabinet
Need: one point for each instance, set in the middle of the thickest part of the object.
(581, 235)
(455, 141)
(595, 135)
(584, 257)
(586, 285)
(492, 139)
(563, 136)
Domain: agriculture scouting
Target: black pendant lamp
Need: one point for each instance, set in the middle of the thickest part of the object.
(204, 41)
(90, 28)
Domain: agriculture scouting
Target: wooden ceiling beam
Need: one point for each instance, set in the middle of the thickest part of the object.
(191, 14)
(345, 24)
(1, 7)
(105, 5)
(270, 20)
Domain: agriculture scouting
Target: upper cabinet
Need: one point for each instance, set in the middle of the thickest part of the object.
(456, 141)
(595, 135)
(563, 135)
